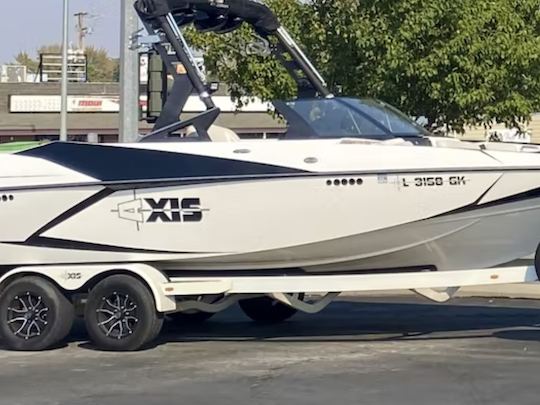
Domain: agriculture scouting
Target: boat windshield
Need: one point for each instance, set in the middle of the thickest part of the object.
(340, 117)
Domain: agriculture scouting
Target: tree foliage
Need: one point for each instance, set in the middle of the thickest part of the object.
(24, 59)
(458, 63)
(101, 67)
(249, 73)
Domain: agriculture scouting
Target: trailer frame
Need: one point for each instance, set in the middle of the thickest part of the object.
(168, 290)
(157, 293)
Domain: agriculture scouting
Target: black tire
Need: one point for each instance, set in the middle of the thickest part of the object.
(121, 314)
(190, 317)
(46, 315)
(267, 310)
(157, 327)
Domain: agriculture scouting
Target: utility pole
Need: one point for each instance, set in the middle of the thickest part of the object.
(81, 27)
(129, 78)
(64, 85)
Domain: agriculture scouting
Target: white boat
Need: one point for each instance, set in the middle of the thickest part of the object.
(352, 185)
(317, 205)
(353, 197)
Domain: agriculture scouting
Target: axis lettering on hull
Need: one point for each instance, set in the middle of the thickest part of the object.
(168, 210)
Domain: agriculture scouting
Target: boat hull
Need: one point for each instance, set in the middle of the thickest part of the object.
(322, 223)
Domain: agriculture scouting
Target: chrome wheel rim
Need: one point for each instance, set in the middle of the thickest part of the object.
(117, 316)
(27, 316)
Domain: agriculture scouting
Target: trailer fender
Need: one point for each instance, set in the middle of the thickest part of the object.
(74, 277)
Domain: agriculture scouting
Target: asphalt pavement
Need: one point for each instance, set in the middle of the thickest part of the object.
(391, 350)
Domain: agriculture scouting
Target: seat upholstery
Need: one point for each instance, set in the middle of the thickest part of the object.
(216, 134)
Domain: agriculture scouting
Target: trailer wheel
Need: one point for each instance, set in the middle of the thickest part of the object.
(34, 314)
(190, 317)
(121, 314)
(267, 310)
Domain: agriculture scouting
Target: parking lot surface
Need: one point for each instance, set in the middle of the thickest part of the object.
(399, 350)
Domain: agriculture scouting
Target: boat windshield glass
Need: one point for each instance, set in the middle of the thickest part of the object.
(345, 117)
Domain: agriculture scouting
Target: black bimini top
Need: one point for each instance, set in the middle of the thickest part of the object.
(226, 13)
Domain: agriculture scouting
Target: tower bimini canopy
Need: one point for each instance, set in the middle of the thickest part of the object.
(164, 18)
(219, 16)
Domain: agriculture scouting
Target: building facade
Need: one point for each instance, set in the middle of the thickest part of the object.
(31, 111)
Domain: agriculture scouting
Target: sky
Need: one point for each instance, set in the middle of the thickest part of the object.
(28, 24)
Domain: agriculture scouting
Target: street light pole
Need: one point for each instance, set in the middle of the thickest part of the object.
(64, 84)
(129, 77)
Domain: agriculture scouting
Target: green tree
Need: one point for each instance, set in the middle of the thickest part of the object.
(464, 62)
(101, 67)
(24, 59)
(53, 48)
(230, 57)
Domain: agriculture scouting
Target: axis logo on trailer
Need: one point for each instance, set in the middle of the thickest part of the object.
(160, 210)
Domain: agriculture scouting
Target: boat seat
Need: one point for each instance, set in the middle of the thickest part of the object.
(216, 134)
